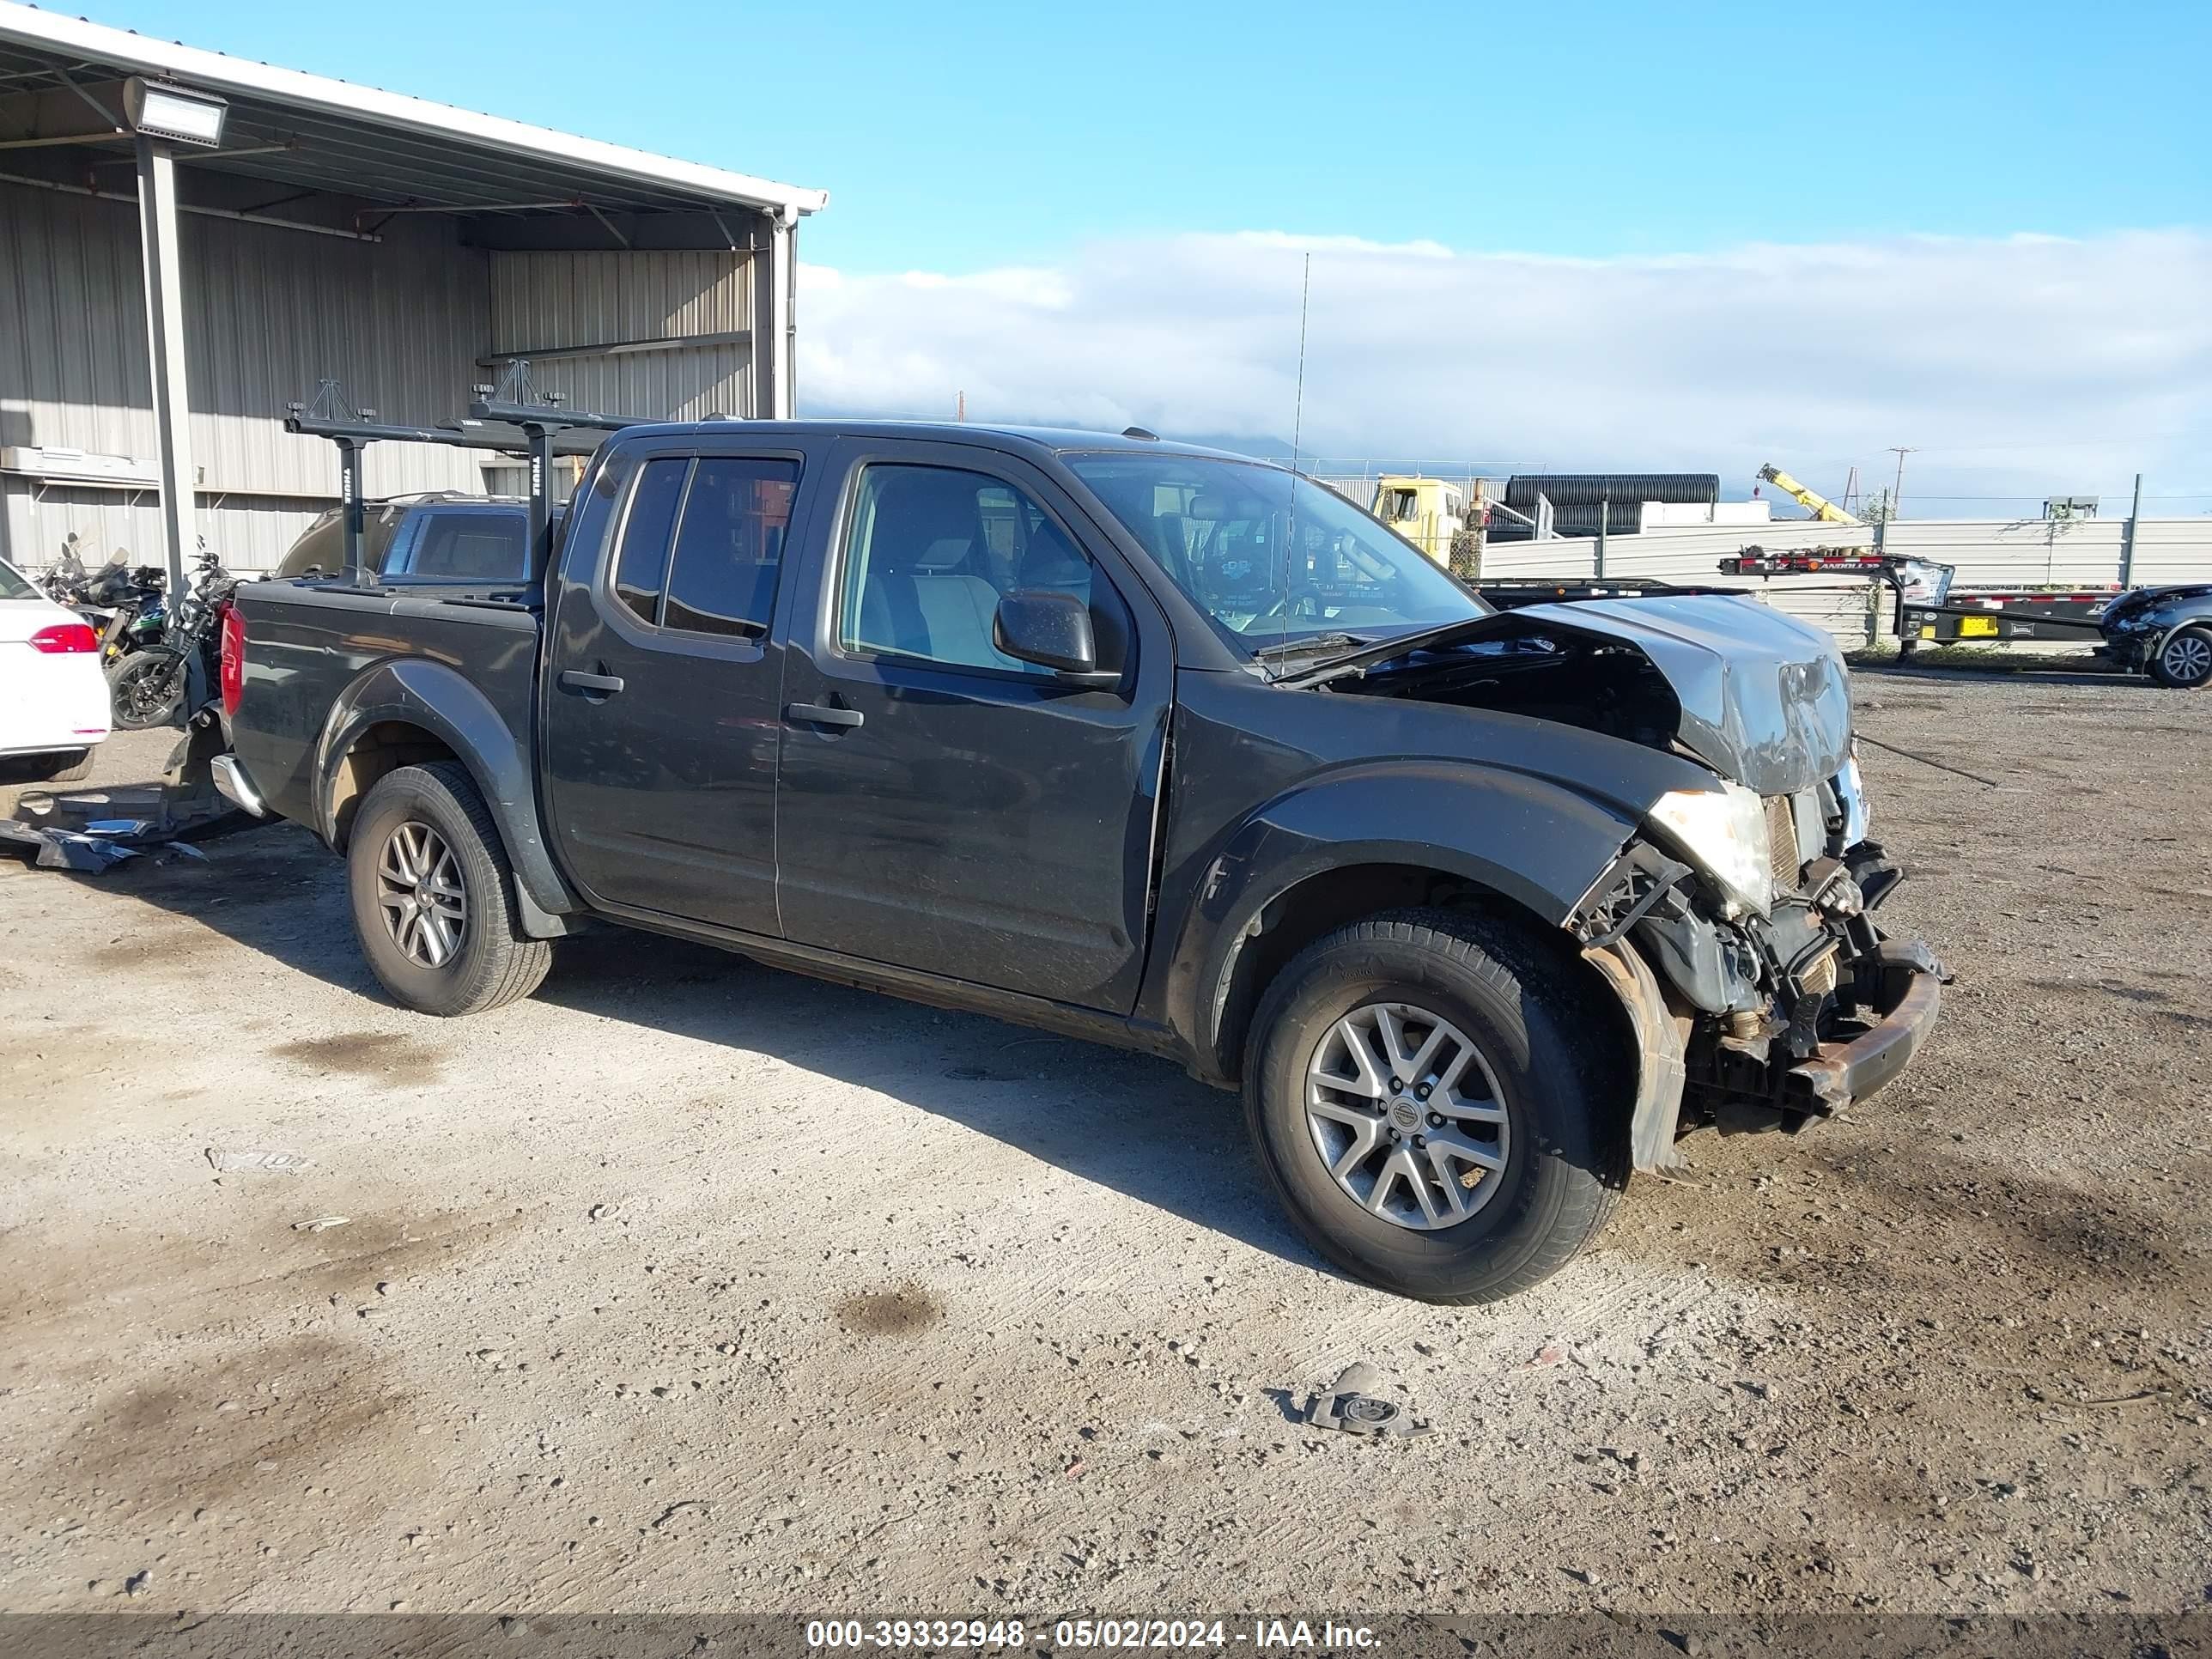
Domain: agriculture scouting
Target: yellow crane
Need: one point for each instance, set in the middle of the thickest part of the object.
(1811, 499)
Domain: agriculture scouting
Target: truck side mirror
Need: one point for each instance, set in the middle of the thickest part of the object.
(1053, 630)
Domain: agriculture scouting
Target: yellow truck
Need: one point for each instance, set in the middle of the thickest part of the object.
(1436, 517)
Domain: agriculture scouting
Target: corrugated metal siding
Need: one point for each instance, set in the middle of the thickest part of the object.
(2045, 553)
(1858, 611)
(400, 322)
(1662, 554)
(270, 312)
(251, 534)
(1988, 553)
(2173, 550)
(65, 378)
(2025, 552)
(547, 300)
(397, 323)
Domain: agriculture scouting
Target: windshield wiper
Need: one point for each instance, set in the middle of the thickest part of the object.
(1309, 646)
(1365, 656)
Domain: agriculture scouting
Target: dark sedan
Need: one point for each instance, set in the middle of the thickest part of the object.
(2163, 632)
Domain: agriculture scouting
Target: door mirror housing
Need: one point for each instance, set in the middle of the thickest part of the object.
(1053, 630)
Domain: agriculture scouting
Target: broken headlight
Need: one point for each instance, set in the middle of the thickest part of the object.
(1850, 796)
(1722, 831)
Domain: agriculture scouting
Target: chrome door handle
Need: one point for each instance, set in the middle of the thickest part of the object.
(821, 713)
(575, 679)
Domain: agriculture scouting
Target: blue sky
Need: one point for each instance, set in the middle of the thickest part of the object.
(954, 138)
(1597, 237)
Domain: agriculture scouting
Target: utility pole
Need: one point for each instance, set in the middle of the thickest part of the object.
(2128, 541)
(1896, 494)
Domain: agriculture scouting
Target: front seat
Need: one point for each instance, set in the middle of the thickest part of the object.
(918, 597)
(1048, 562)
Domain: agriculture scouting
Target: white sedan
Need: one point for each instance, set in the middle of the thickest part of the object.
(53, 698)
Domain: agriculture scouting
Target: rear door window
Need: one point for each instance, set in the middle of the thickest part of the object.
(642, 563)
(729, 545)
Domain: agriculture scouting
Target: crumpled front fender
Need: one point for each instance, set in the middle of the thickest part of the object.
(1531, 841)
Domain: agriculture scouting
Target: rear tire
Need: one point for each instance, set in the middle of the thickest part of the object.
(69, 766)
(2183, 662)
(1561, 1135)
(433, 895)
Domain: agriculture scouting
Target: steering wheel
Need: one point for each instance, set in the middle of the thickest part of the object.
(1299, 599)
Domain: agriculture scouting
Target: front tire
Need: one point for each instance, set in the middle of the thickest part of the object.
(147, 687)
(2183, 662)
(1480, 1141)
(433, 895)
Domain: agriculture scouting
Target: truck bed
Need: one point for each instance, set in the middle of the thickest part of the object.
(311, 640)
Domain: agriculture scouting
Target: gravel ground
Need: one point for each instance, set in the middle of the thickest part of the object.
(688, 1284)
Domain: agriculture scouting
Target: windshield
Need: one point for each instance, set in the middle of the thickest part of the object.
(1276, 561)
(13, 585)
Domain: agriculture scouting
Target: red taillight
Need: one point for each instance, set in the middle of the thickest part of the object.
(65, 638)
(232, 674)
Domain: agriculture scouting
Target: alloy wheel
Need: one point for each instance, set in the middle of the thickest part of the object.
(2187, 658)
(421, 893)
(147, 689)
(1407, 1116)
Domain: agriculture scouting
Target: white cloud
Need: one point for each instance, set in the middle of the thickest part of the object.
(2019, 364)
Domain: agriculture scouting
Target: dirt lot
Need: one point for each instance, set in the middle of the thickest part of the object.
(690, 1285)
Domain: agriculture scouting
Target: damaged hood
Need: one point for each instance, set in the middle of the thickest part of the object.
(1765, 698)
(2142, 600)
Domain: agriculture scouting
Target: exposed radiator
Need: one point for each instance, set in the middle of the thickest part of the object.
(1782, 843)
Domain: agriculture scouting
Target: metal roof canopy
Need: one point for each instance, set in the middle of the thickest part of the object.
(63, 99)
(385, 148)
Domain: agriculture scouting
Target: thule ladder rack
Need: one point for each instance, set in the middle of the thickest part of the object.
(515, 402)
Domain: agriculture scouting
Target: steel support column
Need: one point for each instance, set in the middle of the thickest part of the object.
(165, 338)
(787, 381)
(773, 276)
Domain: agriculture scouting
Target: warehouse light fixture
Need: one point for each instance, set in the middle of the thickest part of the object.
(159, 109)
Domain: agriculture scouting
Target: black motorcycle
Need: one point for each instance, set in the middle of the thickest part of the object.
(66, 578)
(122, 605)
(151, 684)
(133, 604)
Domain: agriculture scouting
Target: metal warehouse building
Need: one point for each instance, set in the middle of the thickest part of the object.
(250, 232)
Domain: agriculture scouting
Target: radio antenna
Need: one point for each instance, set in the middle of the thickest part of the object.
(1298, 403)
(1298, 431)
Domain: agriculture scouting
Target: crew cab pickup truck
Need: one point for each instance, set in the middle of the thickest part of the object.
(1145, 744)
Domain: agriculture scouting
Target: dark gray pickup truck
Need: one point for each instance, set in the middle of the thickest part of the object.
(1146, 743)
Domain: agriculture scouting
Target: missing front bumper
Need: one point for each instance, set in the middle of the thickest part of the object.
(1903, 986)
